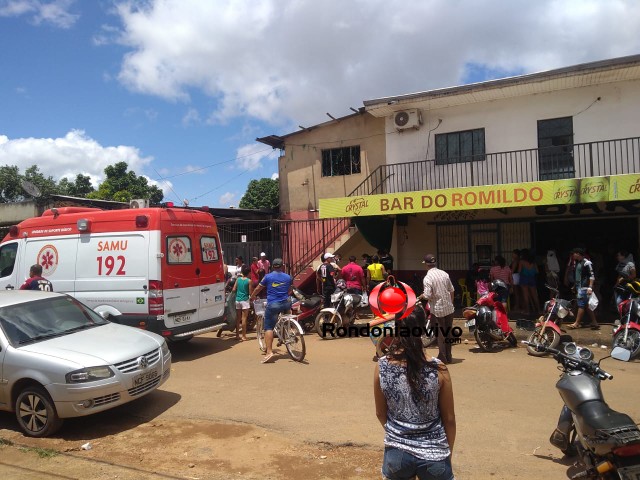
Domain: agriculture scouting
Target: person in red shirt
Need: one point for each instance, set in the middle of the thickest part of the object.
(36, 281)
(354, 276)
(255, 272)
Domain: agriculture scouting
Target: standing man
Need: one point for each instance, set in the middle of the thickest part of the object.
(583, 280)
(36, 281)
(354, 276)
(438, 289)
(279, 287)
(386, 260)
(326, 279)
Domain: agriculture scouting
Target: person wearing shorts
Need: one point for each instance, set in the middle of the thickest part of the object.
(242, 287)
(279, 286)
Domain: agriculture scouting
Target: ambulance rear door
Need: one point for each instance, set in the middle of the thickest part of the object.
(211, 278)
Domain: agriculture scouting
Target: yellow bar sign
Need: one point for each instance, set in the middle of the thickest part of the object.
(551, 192)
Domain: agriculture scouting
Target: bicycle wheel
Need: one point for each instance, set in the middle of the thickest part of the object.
(260, 332)
(293, 340)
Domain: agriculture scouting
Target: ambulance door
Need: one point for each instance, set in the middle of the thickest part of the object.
(57, 256)
(211, 279)
(9, 266)
(180, 278)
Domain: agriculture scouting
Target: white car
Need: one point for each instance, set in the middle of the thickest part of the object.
(60, 359)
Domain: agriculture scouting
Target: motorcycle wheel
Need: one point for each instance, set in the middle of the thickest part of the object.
(483, 340)
(571, 450)
(326, 317)
(511, 338)
(632, 344)
(549, 339)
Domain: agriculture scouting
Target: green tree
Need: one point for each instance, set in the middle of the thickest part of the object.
(10, 189)
(263, 193)
(46, 185)
(80, 187)
(122, 185)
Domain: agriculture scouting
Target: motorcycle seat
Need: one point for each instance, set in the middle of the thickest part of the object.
(598, 415)
(311, 302)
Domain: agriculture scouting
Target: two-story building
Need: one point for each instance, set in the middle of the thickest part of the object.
(542, 161)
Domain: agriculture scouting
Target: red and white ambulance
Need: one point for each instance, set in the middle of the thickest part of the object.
(160, 269)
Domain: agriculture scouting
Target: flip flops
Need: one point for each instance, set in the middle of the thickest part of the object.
(574, 327)
(595, 327)
(267, 358)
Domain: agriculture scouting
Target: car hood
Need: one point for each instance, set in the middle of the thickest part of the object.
(103, 345)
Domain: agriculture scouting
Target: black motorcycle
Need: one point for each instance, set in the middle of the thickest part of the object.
(606, 442)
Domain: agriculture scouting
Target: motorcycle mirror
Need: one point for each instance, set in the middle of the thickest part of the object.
(621, 354)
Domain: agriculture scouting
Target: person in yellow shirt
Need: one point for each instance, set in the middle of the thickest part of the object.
(376, 272)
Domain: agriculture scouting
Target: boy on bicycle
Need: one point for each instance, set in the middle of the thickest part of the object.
(279, 287)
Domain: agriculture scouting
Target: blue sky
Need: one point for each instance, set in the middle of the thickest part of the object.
(180, 89)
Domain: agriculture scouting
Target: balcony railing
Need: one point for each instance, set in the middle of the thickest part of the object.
(594, 159)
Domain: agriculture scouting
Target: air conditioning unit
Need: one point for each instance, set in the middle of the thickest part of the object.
(407, 119)
(139, 203)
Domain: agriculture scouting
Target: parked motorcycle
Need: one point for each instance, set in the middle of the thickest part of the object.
(343, 310)
(547, 331)
(306, 307)
(488, 321)
(626, 330)
(607, 442)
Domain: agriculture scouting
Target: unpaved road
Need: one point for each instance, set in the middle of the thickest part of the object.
(224, 415)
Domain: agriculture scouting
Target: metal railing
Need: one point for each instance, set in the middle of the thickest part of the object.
(303, 241)
(593, 159)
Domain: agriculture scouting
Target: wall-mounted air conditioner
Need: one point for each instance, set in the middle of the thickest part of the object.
(405, 119)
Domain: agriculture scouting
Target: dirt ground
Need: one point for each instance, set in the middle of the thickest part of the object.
(222, 414)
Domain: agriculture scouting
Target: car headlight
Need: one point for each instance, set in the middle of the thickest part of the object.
(90, 374)
(165, 349)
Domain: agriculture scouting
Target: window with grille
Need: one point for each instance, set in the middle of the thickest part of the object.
(460, 147)
(340, 161)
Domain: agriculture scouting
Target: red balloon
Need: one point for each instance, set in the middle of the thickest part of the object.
(392, 300)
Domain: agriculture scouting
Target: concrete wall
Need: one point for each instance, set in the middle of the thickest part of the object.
(300, 168)
(13, 213)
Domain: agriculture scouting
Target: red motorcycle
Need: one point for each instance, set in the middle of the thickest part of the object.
(306, 307)
(626, 330)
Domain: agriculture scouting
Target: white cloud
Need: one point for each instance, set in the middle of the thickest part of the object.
(287, 63)
(250, 157)
(227, 199)
(275, 176)
(54, 13)
(191, 117)
(72, 154)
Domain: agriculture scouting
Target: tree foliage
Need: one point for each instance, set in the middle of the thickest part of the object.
(122, 185)
(263, 193)
(10, 189)
(80, 187)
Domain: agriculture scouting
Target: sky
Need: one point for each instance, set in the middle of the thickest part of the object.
(180, 89)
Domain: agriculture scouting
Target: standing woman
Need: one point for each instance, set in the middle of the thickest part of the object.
(500, 271)
(529, 283)
(375, 272)
(243, 289)
(515, 275)
(414, 403)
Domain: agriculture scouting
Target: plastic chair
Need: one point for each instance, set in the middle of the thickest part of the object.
(465, 296)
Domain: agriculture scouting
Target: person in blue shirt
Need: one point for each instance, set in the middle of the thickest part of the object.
(279, 287)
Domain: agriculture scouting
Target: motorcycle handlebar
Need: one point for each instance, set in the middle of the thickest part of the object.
(587, 366)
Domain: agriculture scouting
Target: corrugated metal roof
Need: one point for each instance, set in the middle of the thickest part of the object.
(586, 74)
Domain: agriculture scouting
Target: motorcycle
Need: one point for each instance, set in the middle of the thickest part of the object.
(547, 331)
(626, 330)
(306, 307)
(488, 321)
(606, 442)
(343, 310)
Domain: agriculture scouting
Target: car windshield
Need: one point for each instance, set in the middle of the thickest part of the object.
(30, 322)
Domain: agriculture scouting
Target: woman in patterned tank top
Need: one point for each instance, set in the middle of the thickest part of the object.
(414, 404)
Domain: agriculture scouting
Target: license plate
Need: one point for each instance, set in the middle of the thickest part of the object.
(182, 318)
(470, 323)
(144, 378)
(629, 473)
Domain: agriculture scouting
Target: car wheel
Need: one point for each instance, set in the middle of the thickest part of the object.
(36, 412)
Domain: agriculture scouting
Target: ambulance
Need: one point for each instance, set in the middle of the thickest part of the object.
(159, 269)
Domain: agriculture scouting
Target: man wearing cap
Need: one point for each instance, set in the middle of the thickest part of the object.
(326, 279)
(263, 265)
(583, 280)
(438, 289)
(279, 287)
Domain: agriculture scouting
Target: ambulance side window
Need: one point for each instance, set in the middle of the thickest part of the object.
(179, 250)
(209, 247)
(8, 259)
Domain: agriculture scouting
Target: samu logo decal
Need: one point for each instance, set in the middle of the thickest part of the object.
(48, 258)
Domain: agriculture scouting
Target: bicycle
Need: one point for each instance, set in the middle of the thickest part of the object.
(287, 330)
